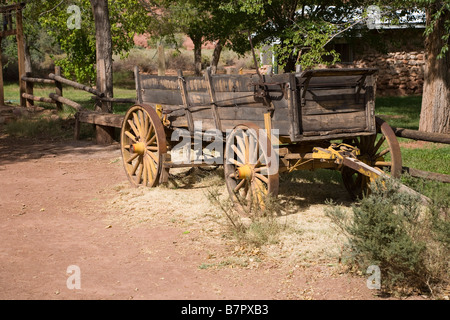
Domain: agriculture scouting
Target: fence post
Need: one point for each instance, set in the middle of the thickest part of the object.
(58, 88)
(20, 55)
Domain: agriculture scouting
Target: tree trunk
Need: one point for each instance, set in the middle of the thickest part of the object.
(28, 64)
(435, 113)
(197, 55)
(216, 56)
(104, 64)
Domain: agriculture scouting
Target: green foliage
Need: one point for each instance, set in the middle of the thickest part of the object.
(394, 231)
(127, 17)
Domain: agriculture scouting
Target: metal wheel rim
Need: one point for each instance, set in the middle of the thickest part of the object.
(142, 125)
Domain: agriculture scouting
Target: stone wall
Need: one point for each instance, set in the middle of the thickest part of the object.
(400, 73)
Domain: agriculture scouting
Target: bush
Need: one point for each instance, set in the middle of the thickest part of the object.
(408, 242)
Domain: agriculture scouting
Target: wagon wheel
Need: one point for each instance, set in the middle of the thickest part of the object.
(250, 168)
(380, 151)
(143, 144)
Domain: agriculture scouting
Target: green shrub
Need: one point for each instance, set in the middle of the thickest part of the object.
(407, 241)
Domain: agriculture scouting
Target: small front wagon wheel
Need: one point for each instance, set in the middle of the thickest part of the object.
(143, 144)
(251, 169)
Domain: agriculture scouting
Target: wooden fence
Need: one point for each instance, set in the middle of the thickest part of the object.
(57, 98)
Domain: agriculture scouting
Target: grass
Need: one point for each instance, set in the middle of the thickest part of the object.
(402, 112)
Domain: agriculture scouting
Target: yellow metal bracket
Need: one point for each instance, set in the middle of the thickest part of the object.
(162, 116)
(336, 152)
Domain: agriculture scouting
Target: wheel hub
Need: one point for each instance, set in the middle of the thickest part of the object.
(138, 148)
(244, 172)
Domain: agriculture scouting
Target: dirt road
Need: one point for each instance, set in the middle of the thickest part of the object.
(68, 204)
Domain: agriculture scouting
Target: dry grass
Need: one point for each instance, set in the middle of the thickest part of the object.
(303, 235)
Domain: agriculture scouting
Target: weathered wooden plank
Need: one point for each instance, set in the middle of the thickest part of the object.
(208, 124)
(212, 94)
(158, 82)
(338, 72)
(330, 122)
(185, 100)
(339, 106)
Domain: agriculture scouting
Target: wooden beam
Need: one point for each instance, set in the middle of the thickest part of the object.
(37, 98)
(66, 101)
(38, 80)
(76, 85)
(185, 98)
(212, 94)
(10, 7)
(7, 33)
(101, 118)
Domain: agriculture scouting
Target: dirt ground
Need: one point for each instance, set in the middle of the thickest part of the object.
(68, 203)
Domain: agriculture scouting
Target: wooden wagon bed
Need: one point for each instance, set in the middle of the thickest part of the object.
(317, 104)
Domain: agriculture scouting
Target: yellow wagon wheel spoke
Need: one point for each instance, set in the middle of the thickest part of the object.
(248, 176)
(143, 144)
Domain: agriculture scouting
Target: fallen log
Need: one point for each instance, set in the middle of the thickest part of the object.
(427, 175)
(75, 85)
(421, 135)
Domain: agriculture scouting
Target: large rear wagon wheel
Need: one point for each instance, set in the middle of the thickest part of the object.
(143, 144)
(250, 168)
(380, 151)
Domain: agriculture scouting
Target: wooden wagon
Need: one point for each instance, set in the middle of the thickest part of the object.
(266, 124)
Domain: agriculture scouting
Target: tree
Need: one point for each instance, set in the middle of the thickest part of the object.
(126, 18)
(298, 30)
(201, 20)
(435, 113)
